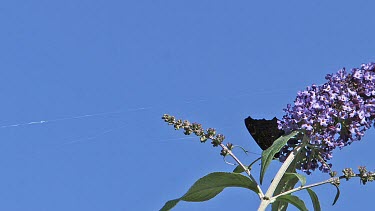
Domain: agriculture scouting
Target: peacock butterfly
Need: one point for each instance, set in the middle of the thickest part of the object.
(263, 131)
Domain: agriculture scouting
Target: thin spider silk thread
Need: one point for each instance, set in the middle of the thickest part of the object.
(136, 109)
(89, 138)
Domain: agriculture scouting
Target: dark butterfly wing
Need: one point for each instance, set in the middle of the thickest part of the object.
(263, 131)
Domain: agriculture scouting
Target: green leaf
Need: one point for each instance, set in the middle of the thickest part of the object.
(337, 194)
(314, 199)
(293, 200)
(279, 206)
(300, 177)
(209, 186)
(238, 169)
(169, 205)
(212, 184)
(268, 154)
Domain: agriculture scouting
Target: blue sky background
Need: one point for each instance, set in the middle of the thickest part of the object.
(100, 74)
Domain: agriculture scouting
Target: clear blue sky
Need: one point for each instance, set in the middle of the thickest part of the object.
(102, 73)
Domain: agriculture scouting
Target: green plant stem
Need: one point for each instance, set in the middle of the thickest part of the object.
(266, 199)
(260, 192)
(251, 164)
(330, 180)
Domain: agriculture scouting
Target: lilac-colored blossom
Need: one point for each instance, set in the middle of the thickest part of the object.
(331, 115)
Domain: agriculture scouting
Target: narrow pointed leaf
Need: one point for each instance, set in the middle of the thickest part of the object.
(169, 205)
(314, 199)
(268, 154)
(300, 177)
(337, 195)
(238, 169)
(293, 200)
(212, 184)
(279, 206)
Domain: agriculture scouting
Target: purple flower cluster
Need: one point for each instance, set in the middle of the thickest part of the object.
(331, 115)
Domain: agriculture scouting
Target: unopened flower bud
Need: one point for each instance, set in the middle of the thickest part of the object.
(362, 170)
(230, 146)
(178, 124)
(203, 139)
(220, 138)
(336, 181)
(188, 131)
(186, 124)
(348, 173)
(211, 132)
(224, 152)
(333, 173)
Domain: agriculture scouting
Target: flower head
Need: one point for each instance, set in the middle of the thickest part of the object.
(331, 115)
